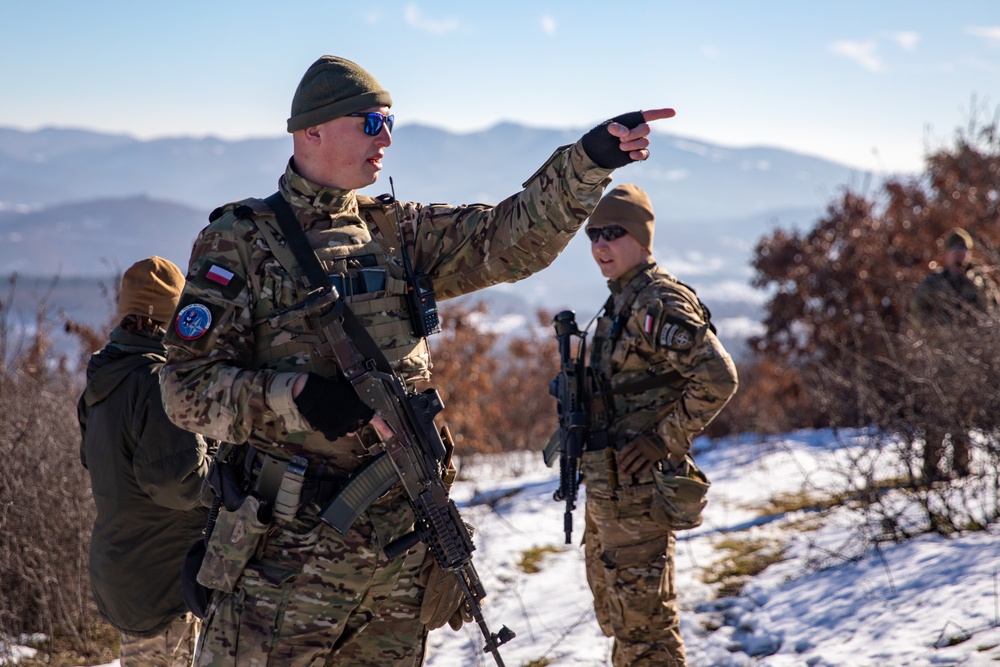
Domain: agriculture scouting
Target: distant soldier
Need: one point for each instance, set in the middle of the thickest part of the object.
(957, 295)
(302, 593)
(957, 291)
(146, 475)
(662, 375)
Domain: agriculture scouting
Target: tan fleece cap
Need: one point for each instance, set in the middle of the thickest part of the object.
(627, 205)
(151, 287)
(959, 238)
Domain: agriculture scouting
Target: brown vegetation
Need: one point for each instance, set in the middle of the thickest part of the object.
(46, 511)
(841, 289)
(495, 388)
(839, 348)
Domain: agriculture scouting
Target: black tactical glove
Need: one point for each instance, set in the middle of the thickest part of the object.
(604, 148)
(332, 407)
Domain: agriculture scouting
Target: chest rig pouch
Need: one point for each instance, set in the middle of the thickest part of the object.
(614, 388)
(362, 269)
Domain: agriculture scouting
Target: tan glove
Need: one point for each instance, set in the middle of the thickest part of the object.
(640, 454)
(443, 599)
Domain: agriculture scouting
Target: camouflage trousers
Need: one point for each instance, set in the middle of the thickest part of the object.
(316, 598)
(174, 647)
(630, 569)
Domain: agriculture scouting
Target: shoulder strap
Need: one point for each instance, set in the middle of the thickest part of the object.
(705, 312)
(297, 242)
(634, 287)
(315, 276)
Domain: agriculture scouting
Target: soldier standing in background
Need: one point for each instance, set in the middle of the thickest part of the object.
(953, 294)
(661, 376)
(957, 295)
(306, 595)
(146, 475)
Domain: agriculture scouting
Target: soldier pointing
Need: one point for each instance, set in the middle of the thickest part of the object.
(296, 591)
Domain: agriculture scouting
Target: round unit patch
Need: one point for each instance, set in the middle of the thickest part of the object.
(675, 336)
(193, 321)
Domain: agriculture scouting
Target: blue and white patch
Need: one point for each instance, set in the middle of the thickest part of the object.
(676, 336)
(193, 321)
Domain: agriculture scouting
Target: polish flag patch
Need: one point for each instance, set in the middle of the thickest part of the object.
(217, 274)
(647, 324)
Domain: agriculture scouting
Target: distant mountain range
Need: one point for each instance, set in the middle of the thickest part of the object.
(81, 204)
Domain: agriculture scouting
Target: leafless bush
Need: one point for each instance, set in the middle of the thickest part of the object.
(925, 384)
(495, 387)
(46, 510)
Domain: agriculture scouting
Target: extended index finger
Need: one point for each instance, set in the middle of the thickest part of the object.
(657, 114)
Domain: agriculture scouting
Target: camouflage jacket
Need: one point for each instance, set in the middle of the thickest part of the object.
(664, 373)
(944, 297)
(229, 374)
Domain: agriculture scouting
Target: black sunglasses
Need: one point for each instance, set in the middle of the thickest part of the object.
(374, 121)
(608, 233)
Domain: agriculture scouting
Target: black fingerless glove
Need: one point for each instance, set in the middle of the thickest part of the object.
(332, 407)
(604, 148)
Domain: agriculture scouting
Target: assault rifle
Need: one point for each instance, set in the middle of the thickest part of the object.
(570, 390)
(413, 454)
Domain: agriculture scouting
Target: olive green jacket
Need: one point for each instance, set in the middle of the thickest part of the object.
(146, 475)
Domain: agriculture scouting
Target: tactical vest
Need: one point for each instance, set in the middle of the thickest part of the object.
(363, 271)
(617, 394)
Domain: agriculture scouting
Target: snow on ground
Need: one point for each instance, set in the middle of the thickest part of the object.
(836, 599)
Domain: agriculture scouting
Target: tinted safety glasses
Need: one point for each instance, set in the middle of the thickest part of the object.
(374, 121)
(608, 233)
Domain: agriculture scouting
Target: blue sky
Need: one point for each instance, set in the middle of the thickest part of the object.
(870, 84)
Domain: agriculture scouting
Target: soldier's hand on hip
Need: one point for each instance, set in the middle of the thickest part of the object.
(623, 139)
(641, 454)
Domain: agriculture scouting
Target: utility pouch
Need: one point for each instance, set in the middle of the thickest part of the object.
(288, 498)
(680, 496)
(233, 543)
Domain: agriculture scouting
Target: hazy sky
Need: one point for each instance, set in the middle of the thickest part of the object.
(870, 84)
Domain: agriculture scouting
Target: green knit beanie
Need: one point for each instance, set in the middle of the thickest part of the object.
(629, 206)
(333, 87)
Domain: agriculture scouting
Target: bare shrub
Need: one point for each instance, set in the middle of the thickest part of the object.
(923, 385)
(495, 387)
(46, 510)
(772, 399)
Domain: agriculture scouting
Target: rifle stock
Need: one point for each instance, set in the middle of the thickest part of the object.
(415, 450)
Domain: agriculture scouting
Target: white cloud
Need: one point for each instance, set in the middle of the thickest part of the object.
(906, 40)
(548, 25)
(863, 53)
(710, 52)
(415, 19)
(991, 33)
